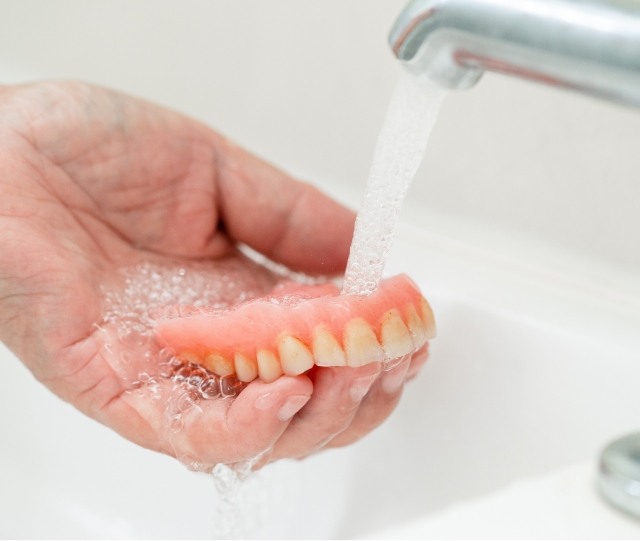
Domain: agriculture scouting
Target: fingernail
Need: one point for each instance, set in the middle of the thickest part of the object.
(394, 378)
(292, 406)
(361, 386)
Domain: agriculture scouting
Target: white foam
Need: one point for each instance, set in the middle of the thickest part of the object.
(412, 113)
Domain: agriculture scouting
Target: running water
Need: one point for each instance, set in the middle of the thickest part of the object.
(412, 113)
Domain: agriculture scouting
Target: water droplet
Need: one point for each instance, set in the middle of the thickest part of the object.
(197, 377)
(182, 373)
(186, 401)
(176, 424)
(165, 371)
(230, 386)
(210, 388)
(166, 355)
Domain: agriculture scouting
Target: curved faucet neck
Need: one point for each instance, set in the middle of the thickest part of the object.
(588, 45)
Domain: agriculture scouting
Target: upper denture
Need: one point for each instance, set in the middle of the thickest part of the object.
(297, 326)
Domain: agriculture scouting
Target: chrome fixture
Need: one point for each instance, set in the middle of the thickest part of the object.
(592, 46)
(619, 476)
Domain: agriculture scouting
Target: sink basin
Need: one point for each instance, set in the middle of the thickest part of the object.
(532, 373)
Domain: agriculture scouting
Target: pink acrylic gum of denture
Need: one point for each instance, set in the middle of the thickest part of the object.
(297, 326)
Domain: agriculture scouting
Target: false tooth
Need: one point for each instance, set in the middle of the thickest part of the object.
(269, 368)
(327, 351)
(360, 343)
(394, 336)
(246, 368)
(416, 326)
(190, 357)
(429, 320)
(219, 364)
(295, 357)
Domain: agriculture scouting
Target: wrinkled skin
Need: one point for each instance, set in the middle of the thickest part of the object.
(92, 180)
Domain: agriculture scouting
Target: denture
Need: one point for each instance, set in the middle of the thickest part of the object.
(298, 326)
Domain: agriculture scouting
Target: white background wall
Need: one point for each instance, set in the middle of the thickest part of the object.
(512, 166)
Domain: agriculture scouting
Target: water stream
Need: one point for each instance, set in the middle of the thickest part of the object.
(402, 142)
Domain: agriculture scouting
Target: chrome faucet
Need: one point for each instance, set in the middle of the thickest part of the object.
(592, 46)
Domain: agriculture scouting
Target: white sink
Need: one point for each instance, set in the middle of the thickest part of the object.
(530, 376)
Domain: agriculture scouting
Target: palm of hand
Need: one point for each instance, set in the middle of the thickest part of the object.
(94, 180)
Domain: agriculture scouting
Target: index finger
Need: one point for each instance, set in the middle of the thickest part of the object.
(290, 222)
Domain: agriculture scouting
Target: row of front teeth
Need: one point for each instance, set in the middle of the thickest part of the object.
(396, 337)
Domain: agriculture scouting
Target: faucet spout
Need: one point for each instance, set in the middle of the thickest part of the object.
(592, 46)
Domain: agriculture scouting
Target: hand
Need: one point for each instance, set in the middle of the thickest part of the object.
(92, 181)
